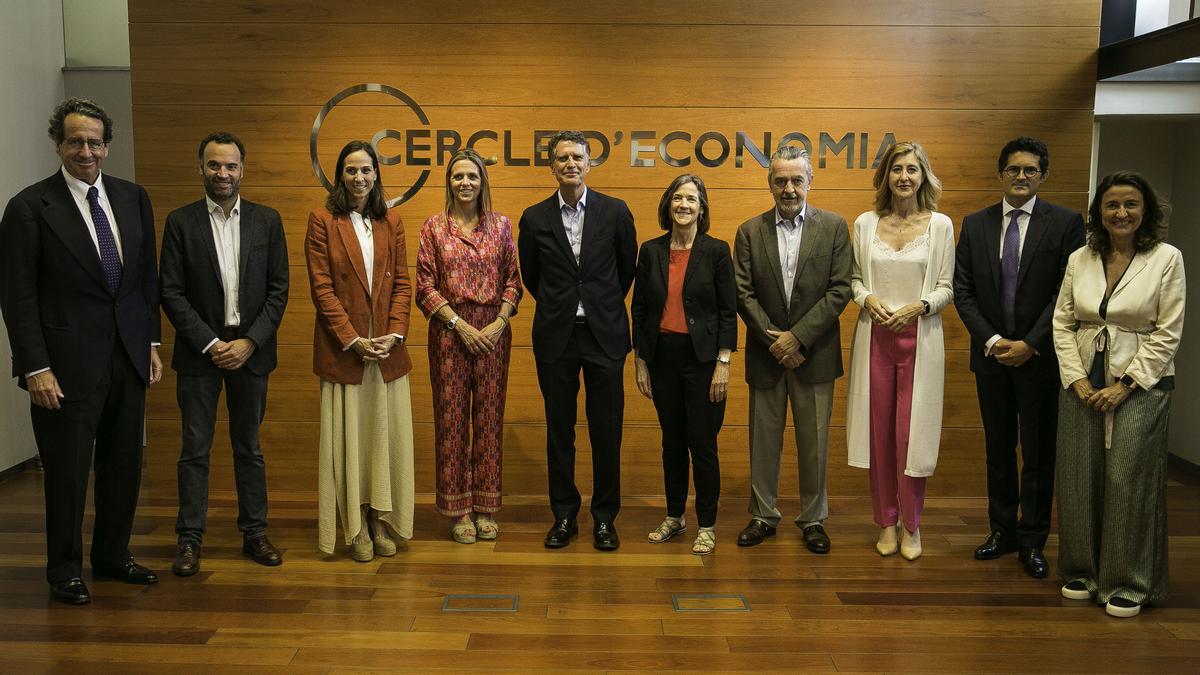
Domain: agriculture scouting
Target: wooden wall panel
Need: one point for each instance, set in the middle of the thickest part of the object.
(960, 76)
(1031, 13)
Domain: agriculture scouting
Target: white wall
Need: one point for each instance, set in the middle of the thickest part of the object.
(31, 47)
(1167, 151)
(97, 33)
(1185, 234)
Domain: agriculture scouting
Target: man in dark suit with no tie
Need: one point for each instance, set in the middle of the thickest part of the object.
(80, 299)
(1008, 266)
(578, 252)
(224, 287)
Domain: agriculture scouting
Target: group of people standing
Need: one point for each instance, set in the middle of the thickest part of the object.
(1072, 347)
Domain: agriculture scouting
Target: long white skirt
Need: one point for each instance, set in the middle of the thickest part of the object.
(366, 456)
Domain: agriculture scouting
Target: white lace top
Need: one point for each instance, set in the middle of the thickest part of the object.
(898, 276)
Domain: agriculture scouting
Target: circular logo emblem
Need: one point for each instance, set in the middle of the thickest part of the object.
(375, 138)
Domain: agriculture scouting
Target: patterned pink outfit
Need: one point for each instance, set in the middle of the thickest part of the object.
(473, 273)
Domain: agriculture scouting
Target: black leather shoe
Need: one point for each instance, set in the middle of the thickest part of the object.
(995, 546)
(187, 559)
(1034, 562)
(561, 532)
(262, 551)
(605, 535)
(815, 539)
(71, 592)
(128, 572)
(755, 533)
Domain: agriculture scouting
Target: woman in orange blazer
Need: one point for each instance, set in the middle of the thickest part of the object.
(358, 271)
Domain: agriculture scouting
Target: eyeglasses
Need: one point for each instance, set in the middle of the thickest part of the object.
(78, 143)
(1029, 171)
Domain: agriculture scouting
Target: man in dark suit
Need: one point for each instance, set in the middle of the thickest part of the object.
(1009, 263)
(80, 299)
(792, 268)
(224, 288)
(578, 253)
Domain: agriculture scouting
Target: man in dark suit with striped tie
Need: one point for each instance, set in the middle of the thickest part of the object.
(80, 300)
(1009, 263)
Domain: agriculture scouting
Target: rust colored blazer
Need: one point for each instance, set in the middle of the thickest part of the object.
(345, 308)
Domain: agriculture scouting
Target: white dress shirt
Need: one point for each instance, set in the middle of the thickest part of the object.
(366, 243)
(787, 234)
(79, 190)
(572, 219)
(1025, 212)
(227, 237)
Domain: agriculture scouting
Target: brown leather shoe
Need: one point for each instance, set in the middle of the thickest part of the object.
(262, 551)
(187, 559)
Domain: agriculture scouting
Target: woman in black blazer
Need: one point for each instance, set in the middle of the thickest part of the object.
(684, 328)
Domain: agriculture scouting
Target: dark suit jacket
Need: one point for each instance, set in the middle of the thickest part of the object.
(194, 298)
(1053, 234)
(57, 306)
(819, 293)
(608, 257)
(709, 296)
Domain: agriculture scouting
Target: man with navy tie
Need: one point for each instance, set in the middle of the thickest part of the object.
(1009, 264)
(80, 300)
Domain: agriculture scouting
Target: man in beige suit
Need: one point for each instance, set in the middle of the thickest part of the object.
(792, 266)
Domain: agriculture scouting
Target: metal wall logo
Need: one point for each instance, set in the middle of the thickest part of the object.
(425, 147)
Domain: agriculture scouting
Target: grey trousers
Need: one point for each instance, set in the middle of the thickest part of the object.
(1112, 504)
(812, 407)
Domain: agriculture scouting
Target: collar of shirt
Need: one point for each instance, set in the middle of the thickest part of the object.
(361, 221)
(79, 189)
(481, 228)
(213, 206)
(795, 222)
(577, 207)
(1026, 208)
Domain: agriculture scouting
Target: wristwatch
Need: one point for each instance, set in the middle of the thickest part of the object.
(925, 303)
(723, 360)
(452, 322)
(1128, 382)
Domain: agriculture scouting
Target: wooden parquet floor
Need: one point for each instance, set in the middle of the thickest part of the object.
(579, 609)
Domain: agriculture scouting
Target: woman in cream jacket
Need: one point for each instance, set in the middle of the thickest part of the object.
(1117, 326)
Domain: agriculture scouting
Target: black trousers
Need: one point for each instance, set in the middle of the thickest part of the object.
(605, 409)
(1020, 404)
(246, 400)
(109, 420)
(689, 420)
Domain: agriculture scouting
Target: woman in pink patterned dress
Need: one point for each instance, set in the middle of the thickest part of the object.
(468, 286)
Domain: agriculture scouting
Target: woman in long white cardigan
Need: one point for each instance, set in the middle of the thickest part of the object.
(902, 274)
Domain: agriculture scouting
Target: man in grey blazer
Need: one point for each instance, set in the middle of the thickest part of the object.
(792, 268)
(224, 287)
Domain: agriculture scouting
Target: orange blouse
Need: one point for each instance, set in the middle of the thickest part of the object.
(673, 318)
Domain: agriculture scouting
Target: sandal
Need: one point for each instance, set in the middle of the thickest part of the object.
(463, 532)
(706, 541)
(486, 528)
(669, 528)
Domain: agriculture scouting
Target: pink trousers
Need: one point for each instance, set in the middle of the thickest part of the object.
(893, 494)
